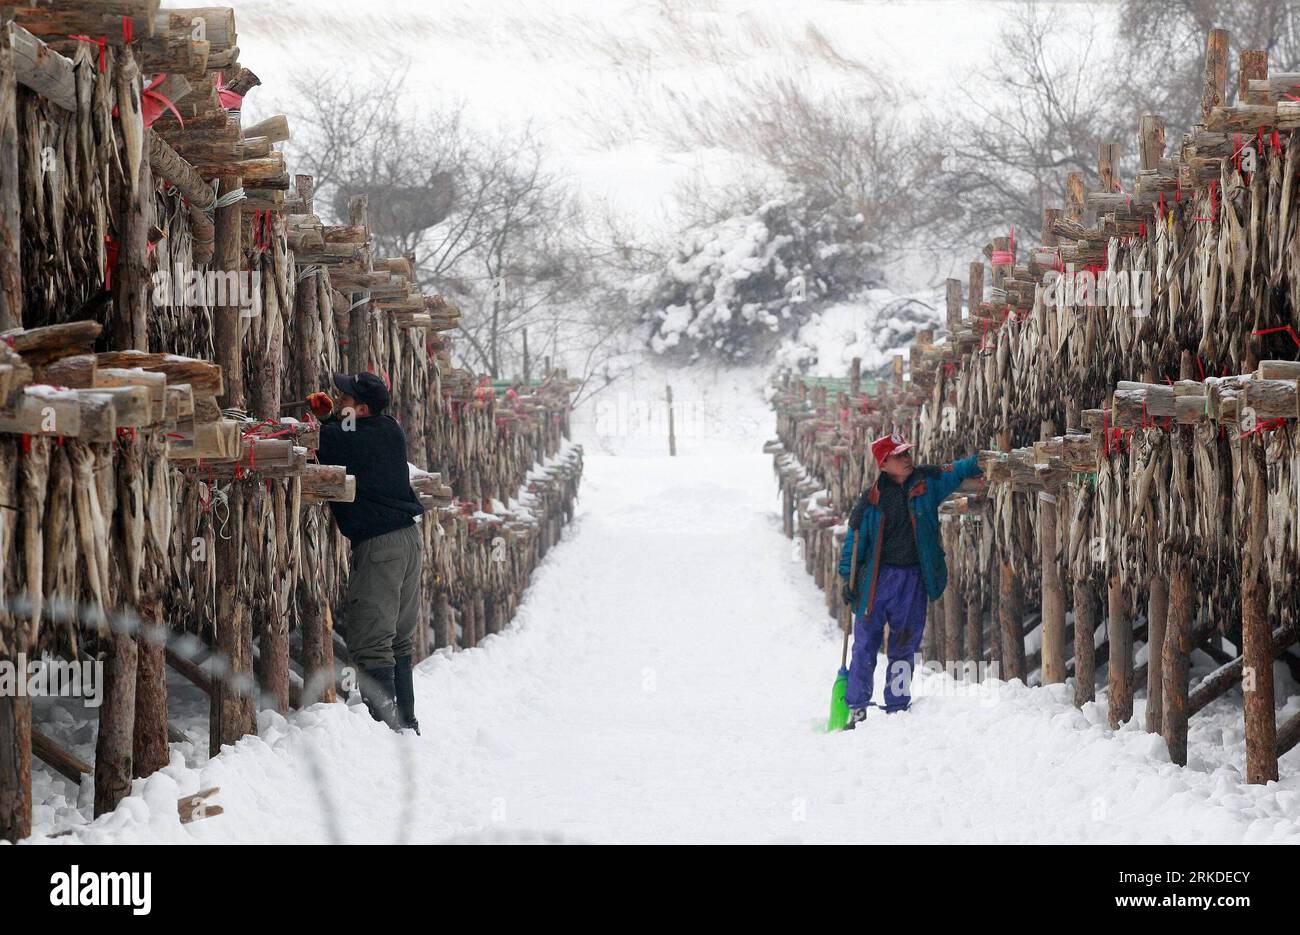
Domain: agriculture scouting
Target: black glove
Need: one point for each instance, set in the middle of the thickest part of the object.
(850, 595)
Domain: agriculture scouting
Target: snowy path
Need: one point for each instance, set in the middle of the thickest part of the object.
(662, 683)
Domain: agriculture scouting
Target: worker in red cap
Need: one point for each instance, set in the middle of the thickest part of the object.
(900, 566)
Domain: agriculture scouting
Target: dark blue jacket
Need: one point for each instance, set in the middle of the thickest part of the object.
(373, 450)
(923, 499)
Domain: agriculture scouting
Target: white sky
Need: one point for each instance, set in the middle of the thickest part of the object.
(588, 73)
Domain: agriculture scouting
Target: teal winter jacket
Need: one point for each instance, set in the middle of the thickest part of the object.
(925, 489)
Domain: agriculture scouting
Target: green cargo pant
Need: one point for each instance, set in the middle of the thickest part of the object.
(382, 607)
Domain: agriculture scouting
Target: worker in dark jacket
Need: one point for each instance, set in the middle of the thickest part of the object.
(382, 604)
(900, 565)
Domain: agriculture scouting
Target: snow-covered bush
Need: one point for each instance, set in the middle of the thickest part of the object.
(872, 327)
(736, 285)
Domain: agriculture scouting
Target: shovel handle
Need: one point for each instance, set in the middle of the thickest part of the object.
(847, 623)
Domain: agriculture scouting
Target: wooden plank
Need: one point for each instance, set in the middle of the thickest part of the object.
(11, 284)
(41, 69)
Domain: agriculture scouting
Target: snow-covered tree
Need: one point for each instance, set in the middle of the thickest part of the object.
(738, 283)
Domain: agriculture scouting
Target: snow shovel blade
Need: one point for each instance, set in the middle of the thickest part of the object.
(839, 707)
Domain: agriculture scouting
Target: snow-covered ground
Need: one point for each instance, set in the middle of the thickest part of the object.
(664, 682)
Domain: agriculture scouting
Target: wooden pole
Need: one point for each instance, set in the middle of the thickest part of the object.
(63, 762)
(953, 302)
(359, 316)
(1214, 92)
(672, 435)
(468, 624)
(1048, 235)
(131, 284)
(1253, 66)
(1180, 616)
(974, 632)
(1009, 611)
(1085, 630)
(443, 626)
(1151, 141)
(149, 750)
(15, 767)
(1119, 665)
(1256, 634)
(954, 602)
(275, 628)
(1075, 203)
(1157, 617)
(1108, 166)
(1053, 597)
(11, 281)
(935, 627)
(114, 744)
(226, 721)
(1177, 652)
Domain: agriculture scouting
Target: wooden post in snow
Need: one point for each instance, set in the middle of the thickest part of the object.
(672, 435)
(936, 627)
(469, 622)
(1157, 620)
(444, 628)
(974, 632)
(1181, 613)
(1177, 651)
(226, 723)
(954, 601)
(1119, 636)
(1053, 606)
(114, 742)
(480, 616)
(15, 712)
(1256, 634)
(15, 767)
(1011, 638)
(1085, 601)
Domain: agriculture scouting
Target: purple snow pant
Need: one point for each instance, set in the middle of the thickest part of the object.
(900, 602)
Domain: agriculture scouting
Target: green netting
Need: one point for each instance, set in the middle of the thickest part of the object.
(838, 384)
(500, 386)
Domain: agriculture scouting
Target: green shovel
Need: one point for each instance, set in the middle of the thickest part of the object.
(839, 718)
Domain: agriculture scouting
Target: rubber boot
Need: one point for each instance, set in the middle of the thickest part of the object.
(377, 692)
(404, 684)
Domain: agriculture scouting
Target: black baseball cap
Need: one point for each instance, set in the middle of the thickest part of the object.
(364, 388)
